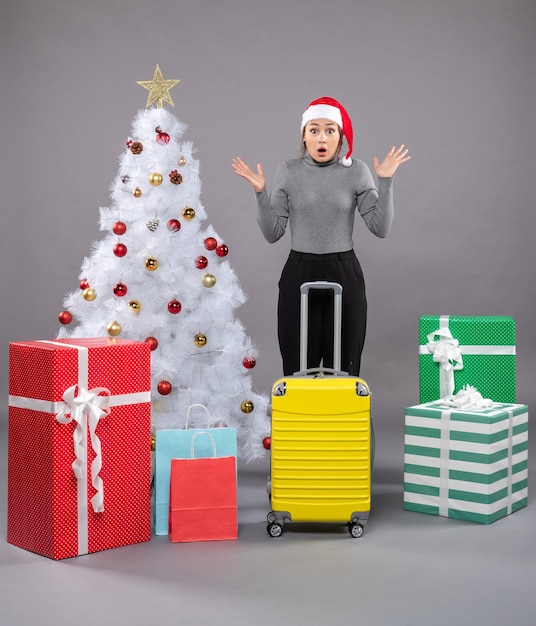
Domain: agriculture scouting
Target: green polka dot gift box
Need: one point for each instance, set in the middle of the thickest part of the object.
(466, 464)
(455, 351)
(79, 454)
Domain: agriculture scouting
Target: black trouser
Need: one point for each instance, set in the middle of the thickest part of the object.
(339, 267)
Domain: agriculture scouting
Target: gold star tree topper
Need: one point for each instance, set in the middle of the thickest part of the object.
(158, 89)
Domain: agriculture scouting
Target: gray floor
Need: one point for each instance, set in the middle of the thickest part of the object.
(407, 569)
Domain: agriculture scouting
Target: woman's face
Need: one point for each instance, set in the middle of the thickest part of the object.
(322, 139)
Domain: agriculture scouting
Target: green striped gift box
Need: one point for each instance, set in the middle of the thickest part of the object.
(469, 465)
(488, 355)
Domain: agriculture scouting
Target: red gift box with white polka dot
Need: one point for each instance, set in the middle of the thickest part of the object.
(79, 450)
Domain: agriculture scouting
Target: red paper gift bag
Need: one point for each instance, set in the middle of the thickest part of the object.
(78, 445)
(202, 502)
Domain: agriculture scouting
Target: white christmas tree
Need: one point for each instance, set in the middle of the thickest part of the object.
(160, 276)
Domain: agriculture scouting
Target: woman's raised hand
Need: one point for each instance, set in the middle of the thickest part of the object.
(255, 179)
(389, 165)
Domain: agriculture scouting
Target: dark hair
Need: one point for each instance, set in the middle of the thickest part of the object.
(339, 147)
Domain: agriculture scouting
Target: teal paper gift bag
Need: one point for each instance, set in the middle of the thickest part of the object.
(176, 444)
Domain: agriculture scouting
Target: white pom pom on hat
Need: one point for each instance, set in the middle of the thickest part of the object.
(330, 109)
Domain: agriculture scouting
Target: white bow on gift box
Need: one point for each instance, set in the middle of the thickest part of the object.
(85, 407)
(446, 351)
(468, 399)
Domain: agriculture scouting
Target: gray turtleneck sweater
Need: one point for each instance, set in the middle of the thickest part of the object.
(319, 200)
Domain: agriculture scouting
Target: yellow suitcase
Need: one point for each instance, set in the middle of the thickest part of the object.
(321, 440)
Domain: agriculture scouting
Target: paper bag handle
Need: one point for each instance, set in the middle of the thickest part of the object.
(202, 406)
(212, 443)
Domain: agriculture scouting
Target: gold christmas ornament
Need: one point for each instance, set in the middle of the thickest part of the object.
(158, 89)
(135, 306)
(137, 192)
(153, 443)
(155, 179)
(247, 406)
(209, 280)
(114, 329)
(188, 213)
(182, 160)
(89, 294)
(200, 340)
(151, 264)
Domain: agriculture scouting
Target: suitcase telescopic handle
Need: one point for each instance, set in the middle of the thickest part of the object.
(337, 319)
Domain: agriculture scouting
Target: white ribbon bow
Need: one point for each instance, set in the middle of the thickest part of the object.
(87, 403)
(468, 399)
(446, 351)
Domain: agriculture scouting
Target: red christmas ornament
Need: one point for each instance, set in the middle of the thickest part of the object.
(222, 250)
(65, 317)
(120, 249)
(119, 228)
(174, 225)
(162, 138)
(267, 443)
(201, 262)
(120, 289)
(210, 243)
(153, 342)
(84, 284)
(174, 307)
(249, 362)
(164, 388)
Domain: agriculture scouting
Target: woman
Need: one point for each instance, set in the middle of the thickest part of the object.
(317, 195)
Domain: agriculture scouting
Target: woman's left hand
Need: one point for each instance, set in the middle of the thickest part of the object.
(389, 165)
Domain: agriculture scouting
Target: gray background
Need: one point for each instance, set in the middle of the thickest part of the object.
(453, 80)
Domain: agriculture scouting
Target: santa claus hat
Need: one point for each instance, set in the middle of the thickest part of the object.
(330, 109)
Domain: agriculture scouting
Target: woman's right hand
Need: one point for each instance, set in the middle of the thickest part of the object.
(255, 179)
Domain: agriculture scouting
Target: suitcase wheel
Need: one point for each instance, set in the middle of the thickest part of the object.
(274, 529)
(356, 530)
